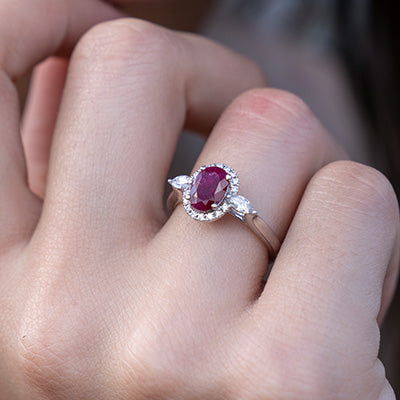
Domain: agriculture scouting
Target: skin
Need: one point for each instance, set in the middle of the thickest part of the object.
(47, 83)
(103, 297)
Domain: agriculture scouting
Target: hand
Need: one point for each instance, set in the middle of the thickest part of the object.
(103, 298)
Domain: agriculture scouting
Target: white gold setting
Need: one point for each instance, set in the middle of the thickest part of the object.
(232, 203)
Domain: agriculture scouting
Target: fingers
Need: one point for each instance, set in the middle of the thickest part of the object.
(275, 144)
(40, 116)
(130, 88)
(29, 32)
(324, 293)
(43, 28)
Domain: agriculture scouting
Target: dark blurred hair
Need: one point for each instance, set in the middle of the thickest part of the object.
(367, 37)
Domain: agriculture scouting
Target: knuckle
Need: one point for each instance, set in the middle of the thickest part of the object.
(288, 119)
(51, 359)
(126, 41)
(46, 362)
(358, 187)
(146, 360)
(55, 339)
(267, 102)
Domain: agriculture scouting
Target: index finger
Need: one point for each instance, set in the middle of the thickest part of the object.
(30, 32)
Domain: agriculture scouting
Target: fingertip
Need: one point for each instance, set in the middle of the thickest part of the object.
(40, 117)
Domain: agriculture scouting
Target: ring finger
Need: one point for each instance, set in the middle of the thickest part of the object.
(276, 145)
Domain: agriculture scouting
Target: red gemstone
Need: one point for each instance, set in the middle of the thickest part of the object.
(209, 188)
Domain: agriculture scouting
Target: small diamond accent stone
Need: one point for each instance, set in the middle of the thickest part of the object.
(241, 204)
(180, 182)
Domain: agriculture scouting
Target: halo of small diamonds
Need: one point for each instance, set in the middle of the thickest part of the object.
(220, 209)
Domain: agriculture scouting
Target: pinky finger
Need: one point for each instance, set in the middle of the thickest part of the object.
(40, 117)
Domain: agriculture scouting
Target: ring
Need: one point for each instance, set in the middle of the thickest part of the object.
(211, 192)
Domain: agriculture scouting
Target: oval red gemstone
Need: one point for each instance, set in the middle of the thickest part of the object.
(209, 188)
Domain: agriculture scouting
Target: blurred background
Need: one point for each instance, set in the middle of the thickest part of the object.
(340, 56)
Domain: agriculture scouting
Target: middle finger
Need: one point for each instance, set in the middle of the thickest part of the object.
(131, 85)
